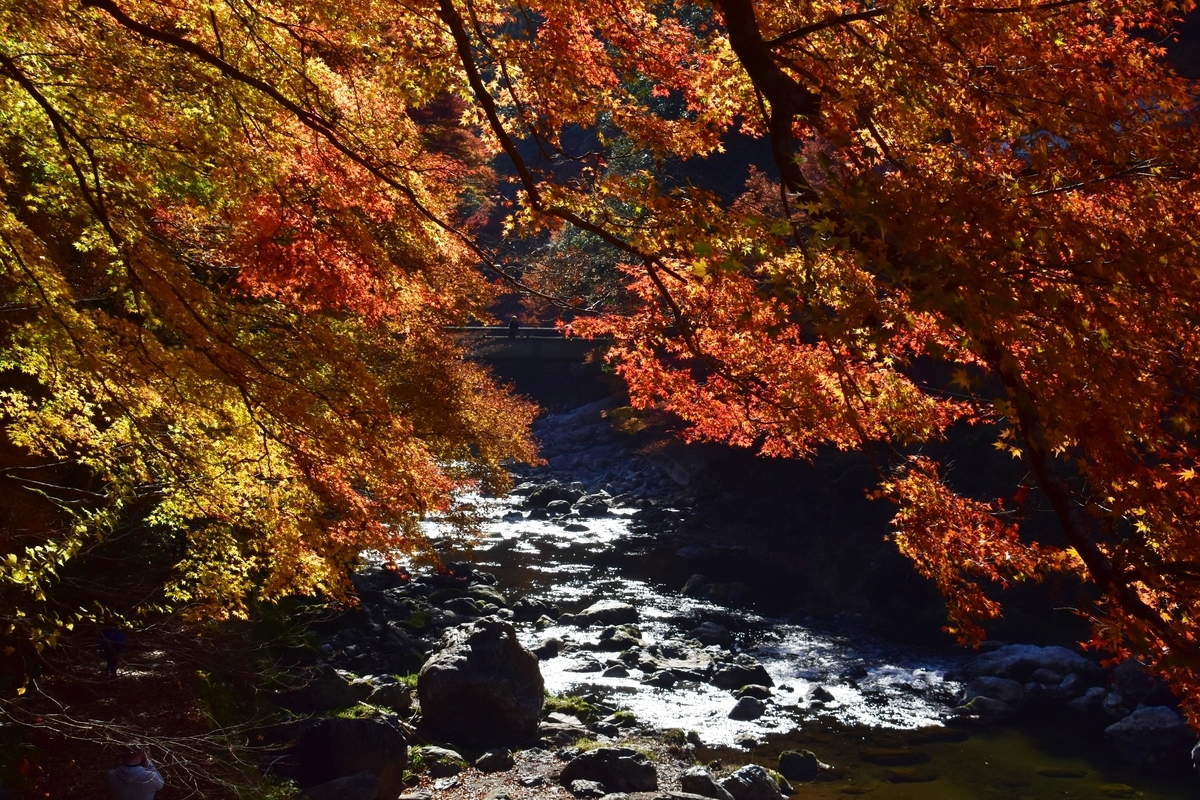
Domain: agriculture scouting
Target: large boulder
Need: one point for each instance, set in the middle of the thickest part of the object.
(551, 492)
(359, 786)
(735, 676)
(1154, 735)
(480, 688)
(799, 765)
(337, 748)
(699, 781)
(620, 769)
(325, 689)
(1004, 689)
(1019, 661)
(752, 782)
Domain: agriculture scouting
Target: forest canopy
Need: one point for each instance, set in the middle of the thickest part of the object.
(233, 234)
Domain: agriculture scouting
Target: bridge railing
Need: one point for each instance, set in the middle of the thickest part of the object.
(503, 332)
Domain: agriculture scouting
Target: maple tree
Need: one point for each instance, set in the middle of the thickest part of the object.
(225, 300)
(1004, 188)
(233, 230)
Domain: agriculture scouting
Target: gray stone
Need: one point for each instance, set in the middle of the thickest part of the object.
(799, 765)
(735, 676)
(480, 688)
(696, 586)
(392, 696)
(548, 649)
(499, 759)
(621, 769)
(1004, 689)
(359, 786)
(710, 633)
(500, 794)
(752, 782)
(334, 748)
(588, 789)
(607, 612)
(325, 689)
(614, 639)
(441, 762)
(663, 679)
(753, 690)
(551, 492)
(1151, 735)
(699, 781)
(1020, 661)
(1138, 686)
(442, 784)
(487, 594)
(748, 708)
(986, 707)
(1092, 699)
(528, 609)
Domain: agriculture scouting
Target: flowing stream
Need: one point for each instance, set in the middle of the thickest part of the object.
(838, 690)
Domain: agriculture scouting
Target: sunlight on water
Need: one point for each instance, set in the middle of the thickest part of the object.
(892, 688)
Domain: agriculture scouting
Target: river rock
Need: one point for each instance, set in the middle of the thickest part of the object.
(799, 765)
(558, 508)
(1020, 661)
(986, 707)
(528, 609)
(663, 679)
(326, 689)
(748, 708)
(614, 639)
(441, 762)
(607, 612)
(487, 594)
(1151, 735)
(1136, 685)
(1091, 700)
(710, 633)
(752, 782)
(359, 786)
(753, 690)
(392, 696)
(588, 789)
(378, 579)
(696, 586)
(552, 492)
(735, 676)
(699, 781)
(480, 687)
(499, 759)
(336, 748)
(1004, 689)
(620, 769)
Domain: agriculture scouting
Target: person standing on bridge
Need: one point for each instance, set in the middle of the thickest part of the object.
(513, 326)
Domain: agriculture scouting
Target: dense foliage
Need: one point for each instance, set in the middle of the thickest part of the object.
(232, 232)
(224, 301)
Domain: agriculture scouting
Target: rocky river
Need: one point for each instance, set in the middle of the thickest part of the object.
(672, 636)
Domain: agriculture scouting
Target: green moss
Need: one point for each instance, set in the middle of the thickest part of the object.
(357, 711)
(567, 704)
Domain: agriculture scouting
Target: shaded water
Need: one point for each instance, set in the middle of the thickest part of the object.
(870, 693)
